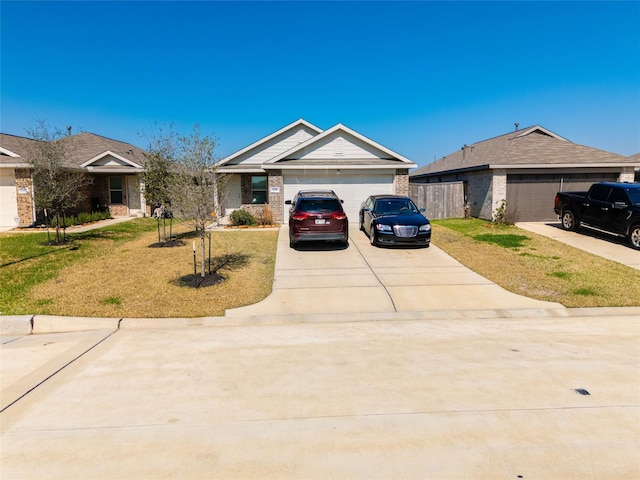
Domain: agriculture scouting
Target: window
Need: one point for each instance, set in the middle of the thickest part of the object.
(115, 190)
(259, 189)
(600, 193)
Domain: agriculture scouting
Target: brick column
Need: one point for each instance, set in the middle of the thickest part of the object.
(276, 195)
(499, 189)
(401, 182)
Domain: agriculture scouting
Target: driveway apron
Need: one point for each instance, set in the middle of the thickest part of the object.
(325, 278)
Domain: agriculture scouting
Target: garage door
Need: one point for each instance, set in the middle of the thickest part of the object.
(8, 198)
(531, 196)
(353, 189)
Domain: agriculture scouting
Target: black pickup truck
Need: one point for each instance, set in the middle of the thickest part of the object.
(608, 206)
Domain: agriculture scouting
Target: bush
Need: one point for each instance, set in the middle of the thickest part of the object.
(242, 217)
(265, 216)
(84, 217)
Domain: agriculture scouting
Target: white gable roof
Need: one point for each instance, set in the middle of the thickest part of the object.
(273, 144)
(111, 162)
(339, 144)
(302, 145)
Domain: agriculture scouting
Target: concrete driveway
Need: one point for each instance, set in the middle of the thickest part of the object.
(327, 279)
(592, 241)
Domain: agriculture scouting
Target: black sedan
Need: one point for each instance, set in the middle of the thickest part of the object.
(394, 220)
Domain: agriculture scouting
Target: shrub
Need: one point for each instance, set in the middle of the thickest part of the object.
(265, 216)
(242, 217)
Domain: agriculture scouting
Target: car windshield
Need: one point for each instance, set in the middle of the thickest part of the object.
(319, 205)
(634, 195)
(394, 207)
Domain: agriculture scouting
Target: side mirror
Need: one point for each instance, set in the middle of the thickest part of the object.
(287, 202)
(366, 209)
(423, 209)
(341, 201)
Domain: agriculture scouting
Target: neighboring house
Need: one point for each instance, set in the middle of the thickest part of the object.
(526, 168)
(636, 157)
(114, 166)
(301, 156)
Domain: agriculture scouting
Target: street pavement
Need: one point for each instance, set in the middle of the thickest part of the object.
(414, 367)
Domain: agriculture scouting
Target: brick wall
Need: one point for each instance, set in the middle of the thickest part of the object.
(25, 201)
(627, 175)
(401, 182)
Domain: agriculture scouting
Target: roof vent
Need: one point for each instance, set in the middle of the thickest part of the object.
(517, 125)
(68, 130)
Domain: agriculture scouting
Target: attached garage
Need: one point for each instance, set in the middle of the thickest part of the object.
(530, 196)
(352, 187)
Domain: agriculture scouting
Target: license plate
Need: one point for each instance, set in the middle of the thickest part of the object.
(320, 221)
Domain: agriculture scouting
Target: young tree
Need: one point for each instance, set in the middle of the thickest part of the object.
(58, 185)
(158, 175)
(196, 187)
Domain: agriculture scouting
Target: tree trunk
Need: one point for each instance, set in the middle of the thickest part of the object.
(202, 257)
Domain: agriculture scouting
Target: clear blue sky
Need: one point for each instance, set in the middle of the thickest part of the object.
(422, 78)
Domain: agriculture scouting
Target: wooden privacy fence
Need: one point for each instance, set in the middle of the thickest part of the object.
(440, 200)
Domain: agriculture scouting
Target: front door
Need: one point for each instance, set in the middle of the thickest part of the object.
(134, 201)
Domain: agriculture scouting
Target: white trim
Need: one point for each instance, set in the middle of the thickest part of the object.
(15, 165)
(285, 167)
(291, 126)
(559, 165)
(247, 169)
(123, 170)
(348, 131)
(109, 152)
(9, 152)
(543, 130)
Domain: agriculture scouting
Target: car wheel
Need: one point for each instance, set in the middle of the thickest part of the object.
(361, 222)
(569, 221)
(292, 244)
(634, 236)
(372, 236)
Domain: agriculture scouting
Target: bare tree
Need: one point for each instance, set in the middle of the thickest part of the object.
(196, 187)
(58, 186)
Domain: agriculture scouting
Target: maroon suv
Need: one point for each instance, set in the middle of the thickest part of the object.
(317, 215)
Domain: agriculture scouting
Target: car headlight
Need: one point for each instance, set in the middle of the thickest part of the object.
(425, 228)
(383, 228)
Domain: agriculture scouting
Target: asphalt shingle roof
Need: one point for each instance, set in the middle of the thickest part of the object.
(533, 146)
(82, 147)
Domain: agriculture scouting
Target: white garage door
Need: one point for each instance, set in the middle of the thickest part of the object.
(352, 188)
(8, 198)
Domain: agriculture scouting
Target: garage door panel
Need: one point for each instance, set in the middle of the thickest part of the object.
(531, 196)
(352, 189)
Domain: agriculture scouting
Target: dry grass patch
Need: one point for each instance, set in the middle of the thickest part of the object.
(134, 280)
(537, 266)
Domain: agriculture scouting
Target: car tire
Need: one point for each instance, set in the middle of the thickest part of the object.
(292, 244)
(634, 236)
(372, 236)
(569, 220)
(361, 222)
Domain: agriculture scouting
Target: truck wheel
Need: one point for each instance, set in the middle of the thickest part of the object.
(634, 236)
(569, 221)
